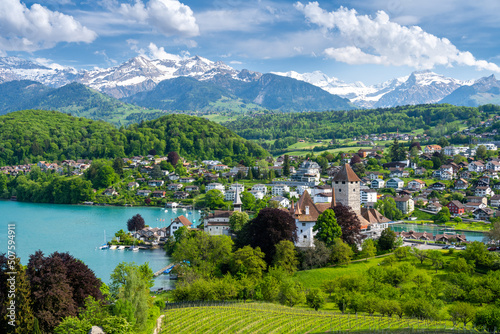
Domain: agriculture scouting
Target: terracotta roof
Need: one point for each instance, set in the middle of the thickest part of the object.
(346, 174)
(300, 208)
(183, 220)
(373, 216)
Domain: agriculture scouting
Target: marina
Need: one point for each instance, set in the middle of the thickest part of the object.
(79, 229)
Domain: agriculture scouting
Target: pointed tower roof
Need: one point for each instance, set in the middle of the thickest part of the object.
(237, 204)
(306, 215)
(346, 174)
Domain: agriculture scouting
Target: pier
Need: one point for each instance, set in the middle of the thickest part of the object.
(159, 272)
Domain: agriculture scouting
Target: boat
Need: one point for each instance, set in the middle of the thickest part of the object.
(113, 247)
(134, 248)
(105, 244)
(121, 247)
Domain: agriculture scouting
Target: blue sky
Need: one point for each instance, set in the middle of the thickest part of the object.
(358, 40)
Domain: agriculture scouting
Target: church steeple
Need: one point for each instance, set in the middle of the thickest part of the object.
(237, 200)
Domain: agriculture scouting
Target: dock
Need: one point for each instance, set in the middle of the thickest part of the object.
(159, 272)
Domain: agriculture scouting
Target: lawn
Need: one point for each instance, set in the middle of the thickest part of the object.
(470, 226)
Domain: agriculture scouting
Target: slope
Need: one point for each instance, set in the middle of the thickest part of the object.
(483, 91)
(34, 135)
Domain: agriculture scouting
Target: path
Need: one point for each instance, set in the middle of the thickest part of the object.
(158, 324)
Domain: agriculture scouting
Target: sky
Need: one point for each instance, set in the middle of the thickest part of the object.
(358, 40)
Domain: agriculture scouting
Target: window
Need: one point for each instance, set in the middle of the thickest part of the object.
(340, 190)
(343, 182)
(305, 236)
(354, 190)
(303, 224)
(301, 231)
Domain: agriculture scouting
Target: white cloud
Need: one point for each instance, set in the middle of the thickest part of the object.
(378, 40)
(169, 17)
(159, 53)
(235, 62)
(50, 64)
(36, 28)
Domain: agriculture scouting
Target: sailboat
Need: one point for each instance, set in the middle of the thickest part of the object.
(105, 244)
(134, 248)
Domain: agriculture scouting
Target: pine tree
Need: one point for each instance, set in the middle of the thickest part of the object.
(24, 314)
(286, 166)
(250, 173)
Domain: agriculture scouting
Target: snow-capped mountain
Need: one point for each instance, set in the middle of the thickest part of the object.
(418, 88)
(482, 91)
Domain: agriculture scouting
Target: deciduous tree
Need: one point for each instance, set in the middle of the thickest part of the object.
(286, 256)
(348, 222)
(327, 227)
(136, 223)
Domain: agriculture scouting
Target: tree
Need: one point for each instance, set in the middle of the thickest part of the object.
(249, 262)
(359, 169)
(51, 290)
(421, 255)
(286, 165)
(437, 259)
(156, 173)
(237, 221)
(269, 228)
(348, 222)
(477, 253)
(481, 152)
(355, 160)
(462, 312)
(488, 319)
(443, 142)
(136, 223)
(494, 232)
(387, 239)
(443, 216)
(368, 248)
(460, 265)
(105, 177)
(118, 166)
(24, 318)
(315, 298)
(248, 200)
(327, 227)
(315, 257)
(173, 158)
(214, 199)
(286, 256)
(291, 293)
(397, 151)
(387, 207)
(341, 252)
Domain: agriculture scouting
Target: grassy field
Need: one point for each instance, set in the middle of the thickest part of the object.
(218, 118)
(292, 151)
(272, 318)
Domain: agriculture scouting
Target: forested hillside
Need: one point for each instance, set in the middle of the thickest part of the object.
(347, 124)
(33, 135)
(73, 98)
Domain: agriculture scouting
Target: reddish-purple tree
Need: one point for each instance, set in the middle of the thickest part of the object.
(355, 160)
(136, 223)
(173, 158)
(348, 222)
(269, 228)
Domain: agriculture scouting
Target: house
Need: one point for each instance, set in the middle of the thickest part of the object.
(192, 188)
(395, 183)
(181, 195)
(434, 207)
(483, 213)
(432, 148)
(279, 189)
(260, 188)
(456, 207)
(143, 192)
(466, 175)
(449, 237)
(377, 184)
(439, 186)
(283, 202)
(178, 223)
(320, 189)
(217, 223)
(416, 185)
(218, 167)
(476, 199)
(217, 186)
(483, 191)
(493, 166)
(173, 177)
(323, 197)
(446, 176)
(257, 194)
(186, 180)
(399, 172)
(405, 204)
(110, 192)
(211, 177)
(375, 175)
(132, 185)
(158, 194)
(495, 201)
(174, 186)
(420, 171)
(156, 183)
(368, 196)
(476, 166)
(461, 184)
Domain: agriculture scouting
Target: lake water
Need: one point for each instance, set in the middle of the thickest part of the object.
(471, 236)
(80, 230)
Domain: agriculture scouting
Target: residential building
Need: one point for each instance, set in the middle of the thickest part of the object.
(158, 194)
(434, 207)
(217, 223)
(279, 189)
(176, 224)
(416, 185)
(456, 207)
(483, 213)
(283, 202)
(476, 166)
(156, 183)
(432, 148)
(439, 186)
(217, 186)
(174, 186)
(395, 183)
(144, 192)
(461, 184)
(493, 166)
(483, 191)
(260, 188)
(405, 204)
(368, 196)
(495, 201)
(377, 184)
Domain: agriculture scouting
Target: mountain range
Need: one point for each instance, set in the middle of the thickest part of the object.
(199, 84)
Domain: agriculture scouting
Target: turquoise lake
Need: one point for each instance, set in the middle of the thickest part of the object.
(80, 230)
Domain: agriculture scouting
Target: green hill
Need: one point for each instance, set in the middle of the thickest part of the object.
(33, 135)
(73, 98)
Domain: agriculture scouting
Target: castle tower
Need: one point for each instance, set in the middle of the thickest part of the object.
(346, 186)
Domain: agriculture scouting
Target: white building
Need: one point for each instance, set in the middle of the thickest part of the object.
(217, 186)
(377, 184)
(368, 196)
(260, 188)
(279, 189)
(283, 202)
